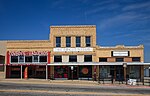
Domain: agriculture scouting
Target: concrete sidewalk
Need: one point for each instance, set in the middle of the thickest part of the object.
(69, 82)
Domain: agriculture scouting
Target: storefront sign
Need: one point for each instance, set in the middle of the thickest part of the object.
(28, 53)
(72, 49)
(120, 53)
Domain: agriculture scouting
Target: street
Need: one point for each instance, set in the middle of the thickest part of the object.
(59, 89)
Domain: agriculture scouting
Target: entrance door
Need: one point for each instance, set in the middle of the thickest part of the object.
(119, 73)
(73, 72)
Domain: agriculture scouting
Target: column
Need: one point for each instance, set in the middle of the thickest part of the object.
(21, 72)
(125, 73)
(142, 72)
(46, 72)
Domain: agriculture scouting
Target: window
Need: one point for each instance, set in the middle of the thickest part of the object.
(58, 58)
(88, 41)
(87, 58)
(42, 58)
(136, 59)
(119, 59)
(21, 59)
(58, 41)
(68, 41)
(73, 58)
(28, 58)
(35, 58)
(78, 41)
(102, 59)
(14, 59)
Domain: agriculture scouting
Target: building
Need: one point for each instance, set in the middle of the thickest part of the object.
(72, 53)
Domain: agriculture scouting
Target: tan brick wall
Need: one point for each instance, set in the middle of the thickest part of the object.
(73, 31)
(3, 48)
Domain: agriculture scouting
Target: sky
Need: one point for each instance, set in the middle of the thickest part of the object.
(118, 22)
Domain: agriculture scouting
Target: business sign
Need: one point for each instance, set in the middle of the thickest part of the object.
(72, 49)
(27, 53)
(120, 53)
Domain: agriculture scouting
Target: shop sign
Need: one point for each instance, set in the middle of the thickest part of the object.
(120, 53)
(72, 49)
(27, 53)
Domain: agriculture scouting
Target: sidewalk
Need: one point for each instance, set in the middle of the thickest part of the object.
(69, 82)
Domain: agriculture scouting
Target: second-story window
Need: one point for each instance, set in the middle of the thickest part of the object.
(58, 41)
(78, 41)
(73, 58)
(119, 59)
(68, 41)
(88, 41)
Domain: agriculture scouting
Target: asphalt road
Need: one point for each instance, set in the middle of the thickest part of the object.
(15, 89)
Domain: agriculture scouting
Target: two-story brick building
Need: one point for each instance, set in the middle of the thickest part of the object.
(71, 52)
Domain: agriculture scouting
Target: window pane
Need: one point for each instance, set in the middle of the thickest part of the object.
(28, 58)
(136, 59)
(88, 41)
(58, 41)
(78, 41)
(21, 59)
(68, 41)
(87, 58)
(14, 59)
(119, 59)
(73, 58)
(57, 58)
(102, 59)
(35, 58)
(43, 59)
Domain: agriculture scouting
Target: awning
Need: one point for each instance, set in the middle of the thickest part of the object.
(97, 63)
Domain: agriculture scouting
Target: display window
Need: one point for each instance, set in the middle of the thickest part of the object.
(85, 71)
(61, 72)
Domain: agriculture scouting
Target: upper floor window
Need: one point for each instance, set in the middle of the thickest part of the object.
(102, 59)
(58, 41)
(57, 58)
(87, 58)
(78, 41)
(88, 41)
(73, 58)
(35, 58)
(68, 41)
(119, 59)
(136, 59)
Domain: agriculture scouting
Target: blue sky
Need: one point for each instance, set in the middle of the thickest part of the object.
(124, 22)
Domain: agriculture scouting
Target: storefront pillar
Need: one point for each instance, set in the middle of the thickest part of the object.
(46, 72)
(125, 70)
(21, 72)
(114, 73)
(142, 72)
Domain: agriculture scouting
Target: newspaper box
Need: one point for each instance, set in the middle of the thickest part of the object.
(132, 81)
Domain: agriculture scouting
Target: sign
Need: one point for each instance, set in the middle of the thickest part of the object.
(120, 53)
(28, 53)
(72, 49)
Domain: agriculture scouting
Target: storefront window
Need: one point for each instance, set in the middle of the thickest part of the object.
(21, 59)
(28, 59)
(57, 58)
(35, 58)
(85, 71)
(136, 59)
(119, 59)
(87, 58)
(14, 59)
(43, 59)
(61, 72)
(102, 59)
(73, 58)
(105, 71)
(134, 72)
